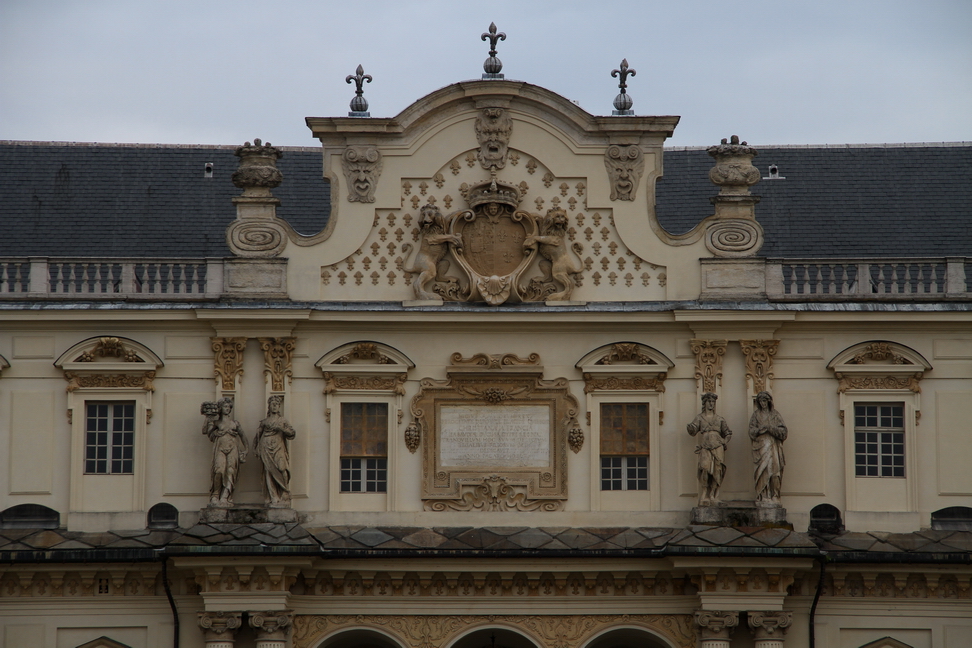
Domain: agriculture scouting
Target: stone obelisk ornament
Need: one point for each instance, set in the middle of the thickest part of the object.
(623, 102)
(359, 105)
(493, 65)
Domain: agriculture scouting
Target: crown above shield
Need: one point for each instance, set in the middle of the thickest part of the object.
(493, 191)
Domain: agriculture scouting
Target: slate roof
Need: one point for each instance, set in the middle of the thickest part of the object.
(64, 199)
(32, 545)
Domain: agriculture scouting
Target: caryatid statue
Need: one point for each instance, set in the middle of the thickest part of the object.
(272, 445)
(767, 432)
(712, 436)
(229, 450)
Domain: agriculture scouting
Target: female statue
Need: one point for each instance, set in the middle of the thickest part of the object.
(229, 450)
(767, 432)
(713, 437)
(271, 445)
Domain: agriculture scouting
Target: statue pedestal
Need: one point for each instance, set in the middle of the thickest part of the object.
(740, 513)
(243, 514)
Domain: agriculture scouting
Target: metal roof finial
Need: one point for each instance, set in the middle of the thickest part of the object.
(493, 65)
(623, 102)
(359, 105)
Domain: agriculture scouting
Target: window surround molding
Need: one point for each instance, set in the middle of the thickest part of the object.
(3, 364)
(110, 369)
(363, 372)
(880, 371)
(625, 372)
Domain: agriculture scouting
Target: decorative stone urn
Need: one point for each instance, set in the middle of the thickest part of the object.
(734, 232)
(734, 171)
(258, 172)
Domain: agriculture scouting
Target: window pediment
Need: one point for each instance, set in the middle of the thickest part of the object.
(364, 365)
(624, 366)
(109, 362)
(879, 364)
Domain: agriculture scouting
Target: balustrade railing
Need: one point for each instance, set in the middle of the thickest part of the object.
(855, 279)
(111, 278)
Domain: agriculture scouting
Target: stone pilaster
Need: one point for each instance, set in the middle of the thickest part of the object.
(716, 627)
(770, 628)
(219, 628)
(272, 628)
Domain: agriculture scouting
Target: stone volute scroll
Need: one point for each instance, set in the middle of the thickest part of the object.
(759, 362)
(495, 435)
(717, 627)
(708, 362)
(228, 361)
(362, 168)
(734, 232)
(278, 360)
(625, 165)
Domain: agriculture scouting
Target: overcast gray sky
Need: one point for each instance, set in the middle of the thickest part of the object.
(221, 71)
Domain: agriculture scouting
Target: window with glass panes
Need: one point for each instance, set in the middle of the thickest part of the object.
(364, 447)
(624, 446)
(109, 444)
(879, 440)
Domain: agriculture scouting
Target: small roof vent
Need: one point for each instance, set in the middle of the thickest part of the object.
(774, 173)
(208, 170)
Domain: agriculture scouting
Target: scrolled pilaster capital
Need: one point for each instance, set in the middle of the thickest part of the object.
(272, 625)
(766, 625)
(716, 624)
(219, 626)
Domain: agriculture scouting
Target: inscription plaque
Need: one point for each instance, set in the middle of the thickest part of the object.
(501, 436)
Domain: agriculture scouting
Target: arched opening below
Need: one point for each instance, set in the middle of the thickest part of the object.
(825, 518)
(494, 638)
(359, 638)
(30, 516)
(953, 518)
(163, 516)
(627, 638)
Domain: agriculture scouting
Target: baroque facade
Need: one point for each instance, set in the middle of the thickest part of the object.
(493, 401)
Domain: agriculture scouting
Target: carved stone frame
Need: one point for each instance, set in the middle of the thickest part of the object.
(360, 372)
(625, 372)
(490, 381)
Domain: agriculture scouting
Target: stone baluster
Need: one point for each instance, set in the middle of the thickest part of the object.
(770, 628)
(272, 628)
(219, 628)
(716, 627)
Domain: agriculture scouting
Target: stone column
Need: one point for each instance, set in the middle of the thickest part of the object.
(716, 627)
(272, 628)
(770, 628)
(219, 628)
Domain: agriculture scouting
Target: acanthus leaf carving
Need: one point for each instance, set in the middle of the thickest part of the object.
(278, 360)
(708, 361)
(229, 360)
(492, 493)
(495, 361)
(759, 361)
(625, 351)
(879, 351)
(365, 351)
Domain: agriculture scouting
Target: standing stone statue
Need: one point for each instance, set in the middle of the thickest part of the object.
(713, 437)
(271, 445)
(767, 432)
(229, 450)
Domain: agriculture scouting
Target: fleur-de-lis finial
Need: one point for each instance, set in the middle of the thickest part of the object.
(359, 105)
(623, 102)
(493, 65)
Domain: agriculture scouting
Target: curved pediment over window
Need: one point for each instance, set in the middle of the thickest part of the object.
(109, 362)
(879, 364)
(364, 365)
(365, 353)
(624, 366)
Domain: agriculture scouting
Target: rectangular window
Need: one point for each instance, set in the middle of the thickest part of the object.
(624, 446)
(364, 447)
(879, 440)
(109, 438)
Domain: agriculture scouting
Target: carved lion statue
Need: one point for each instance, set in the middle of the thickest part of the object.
(430, 263)
(555, 264)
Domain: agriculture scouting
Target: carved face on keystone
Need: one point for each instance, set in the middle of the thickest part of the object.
(624, 165)
(362, 167)
(493, 129)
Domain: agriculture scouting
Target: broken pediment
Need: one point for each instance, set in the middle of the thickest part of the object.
(490, 191)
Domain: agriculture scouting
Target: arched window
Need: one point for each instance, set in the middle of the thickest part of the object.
(825, 518)
(30, 516)
(163, 516)
(953, 518)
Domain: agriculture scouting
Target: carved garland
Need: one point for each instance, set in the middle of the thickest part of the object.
(364, 351)
(334, 382)
(139, 381)
(708, 361)
(594, 383)
(229, 360)
(759, 361)
(909, 382)
(555, 631)
(109, 347)
(879, 351)
(278, 360)
(495, 361)
(625, 352)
